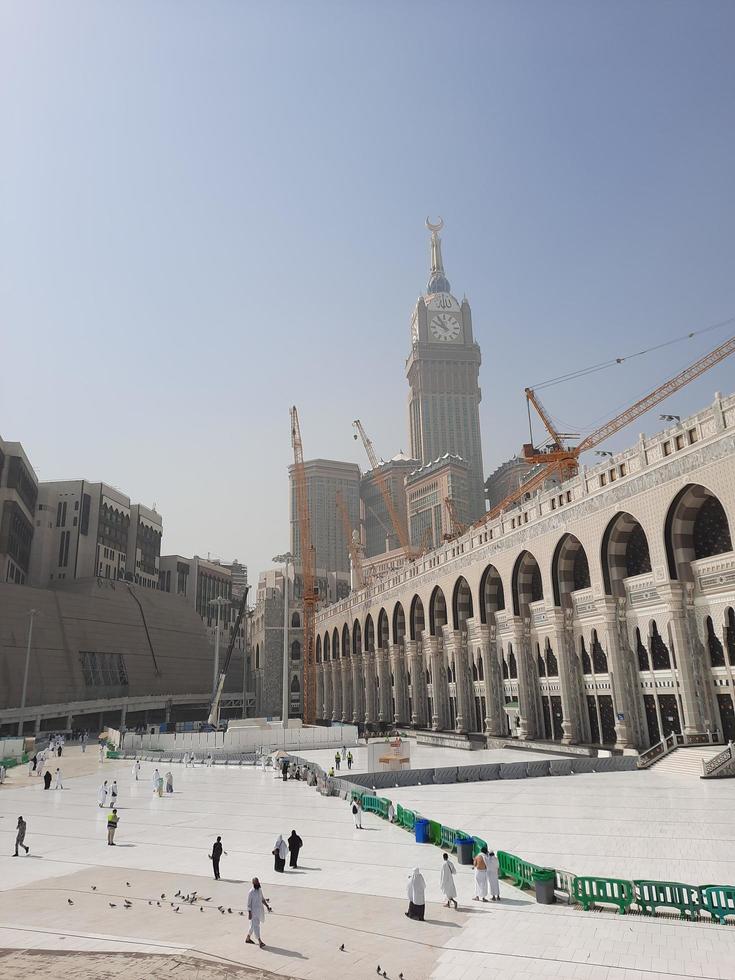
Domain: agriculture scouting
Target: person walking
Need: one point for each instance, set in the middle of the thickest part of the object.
(209, 760)
(84, 742)
(391, 812)
(59, 747)
(112, 822)
(32, 765)
(214, 857)
(349, 760)
(156, 777)
(186, 760)
(136, 769)
(336, 760)
(58, 784)
(416, 891)
(20, 836)
(294, 846)
(279, 853)
(47, 780)
(493, 870)
(480, 865)
(169, 782)
(357, 813)
(446, 882)
(257, 904)
(102, 751)
(102, 794)
(113, 793)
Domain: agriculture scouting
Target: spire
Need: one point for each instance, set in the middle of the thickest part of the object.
(438, 282)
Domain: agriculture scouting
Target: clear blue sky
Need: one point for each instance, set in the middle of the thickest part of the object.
(209, 211)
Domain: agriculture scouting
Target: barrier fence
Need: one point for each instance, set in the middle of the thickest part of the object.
(715, 902)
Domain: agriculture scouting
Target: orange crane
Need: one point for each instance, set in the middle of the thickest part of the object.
(564, 459)
(457, 527)
(400, 529)
(308, 571)
(354, 548)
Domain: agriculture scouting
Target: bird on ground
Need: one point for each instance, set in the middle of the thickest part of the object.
(150, 903)
(158, 904)
(94, 888)
(127, 883)
(342, 948)
(378, 969)
(230, 911)
(177, 909)
(69, 901)
(400, 976)
(177, 894)
(163, 896)
(201, 909)
(385, 974)
(128, 905)
(112, 905)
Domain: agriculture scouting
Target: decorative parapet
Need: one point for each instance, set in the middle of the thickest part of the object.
(715, 574)
(584, 603)
(641, 590)
(538, 613)
(721, 765)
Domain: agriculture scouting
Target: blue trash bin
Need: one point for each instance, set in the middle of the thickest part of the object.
(422, 830)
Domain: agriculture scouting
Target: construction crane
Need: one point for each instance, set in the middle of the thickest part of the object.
(308, 571)
(353, 546)
(563, 460)
(213, 719)
(399, 527)
(457, 526)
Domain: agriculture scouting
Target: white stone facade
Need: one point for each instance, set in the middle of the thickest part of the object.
(600, 611)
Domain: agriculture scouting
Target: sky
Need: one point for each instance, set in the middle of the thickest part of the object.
(212, 211)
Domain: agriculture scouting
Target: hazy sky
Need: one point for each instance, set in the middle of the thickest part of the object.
(212, 210)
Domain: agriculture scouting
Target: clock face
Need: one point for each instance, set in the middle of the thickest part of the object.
(445, 327)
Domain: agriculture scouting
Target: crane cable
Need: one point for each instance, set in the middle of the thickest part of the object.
(593, 368)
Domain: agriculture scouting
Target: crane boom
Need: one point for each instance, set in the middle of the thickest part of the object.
(399, 527)
(353, 548)
(308, 571)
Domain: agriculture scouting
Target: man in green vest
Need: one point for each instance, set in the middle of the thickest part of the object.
(111, 827)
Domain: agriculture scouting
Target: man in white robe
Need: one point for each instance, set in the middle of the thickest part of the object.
(493, 868)
(102, 794)
(480, 864)
(156, 777)
(59, 784)
(257, 904)
(446, 882)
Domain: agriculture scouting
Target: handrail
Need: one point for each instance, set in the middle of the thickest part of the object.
(710, 766)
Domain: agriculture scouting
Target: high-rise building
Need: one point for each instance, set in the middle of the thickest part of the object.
(88, 529)
(18, 494)
(379, 535)
(324, 477)
(443, 372)
(427, 490)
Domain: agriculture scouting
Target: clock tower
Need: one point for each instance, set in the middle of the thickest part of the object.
(443, 374)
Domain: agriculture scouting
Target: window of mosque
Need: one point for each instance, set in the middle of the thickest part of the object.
(552, 667)
(730, 636)
(599, 659)
(637, 557)
(581, 571)
(659, 651)
(642, 652)
(716, 651)
(586, 662)
(711, 533)
(541, 665)
(537, 591)
(512, 667)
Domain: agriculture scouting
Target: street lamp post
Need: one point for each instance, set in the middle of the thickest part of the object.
(33, 614)
(286, 559)
(218, 602)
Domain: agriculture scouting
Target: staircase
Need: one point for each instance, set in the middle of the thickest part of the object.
(686, 761)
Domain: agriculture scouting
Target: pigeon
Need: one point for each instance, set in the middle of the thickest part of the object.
(242, 913)
(385, 974)
(112, 905)
(400, 976)
(163, 896)
(230, 911)
(128, 905)
(69, 901)
(94, 888)
(150, 903)
(342, 948)
(207, 899)
(158, 904)
(222, 911)
(378, 969)
(201, 909)
(220, 908)
(177, 894)
(177, 909)
(127, 883)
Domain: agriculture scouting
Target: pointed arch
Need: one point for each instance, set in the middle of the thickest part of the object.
(416, 619)
(383, 631)
(326, 648)
(346, 648)
(492, 594)
(527, 585)
(296, 650)
(624, 552)
(356, 638)
(570, 570)
(399, 624)
(437, 612)
(462, 609)
(369, 633)
(696, 527)
(335, 644)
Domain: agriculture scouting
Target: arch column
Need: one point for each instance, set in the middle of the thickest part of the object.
(346, 690)
(568, 683)
(693, 695)
(619, 657)
(417, 667)
(400, 684)
(327, 669)
(521, 639)
(320, 691)
(455, 646)
(434, 654)
(385, 714)
(483, 638)
(358, 700)
(371, 711)
(336, 691)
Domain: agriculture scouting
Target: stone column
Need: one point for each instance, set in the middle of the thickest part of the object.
(417, 668)
(623, 693)
(455, 646)
(692, 694)
(400, 683)
(123, 716)
(434, 654)
(384, 708)
(371, 709)
(358, 696)
(336, 691)
(482, 639)
(346, 690)
(320, 691)
(568, 683)
(521, 640)
(327, 668)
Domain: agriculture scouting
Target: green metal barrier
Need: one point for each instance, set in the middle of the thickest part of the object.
(449, 837)
(651, 895)
(435, 832)
(408, 819)
(719, 901)
(589, 891)
(355, 795)
(382, 807)
(478, 846)
(522, 872)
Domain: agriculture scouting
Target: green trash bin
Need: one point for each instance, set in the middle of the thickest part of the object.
(465, 846)
(544, 880)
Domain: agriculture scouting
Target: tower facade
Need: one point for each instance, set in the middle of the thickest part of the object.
(443, 374)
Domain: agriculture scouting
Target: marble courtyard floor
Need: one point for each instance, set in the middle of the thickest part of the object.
(351, 887)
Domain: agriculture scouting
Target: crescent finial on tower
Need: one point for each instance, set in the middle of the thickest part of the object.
(435, 228)
(438, 282)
